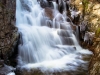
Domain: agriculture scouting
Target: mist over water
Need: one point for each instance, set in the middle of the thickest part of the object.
(48, 48)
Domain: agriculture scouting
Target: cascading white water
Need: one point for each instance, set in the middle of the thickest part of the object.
(41, 46)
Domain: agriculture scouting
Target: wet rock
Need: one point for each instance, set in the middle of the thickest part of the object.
(76, 19)
(50, 0)
(1, 63)
(45, 4)
(6, 69)
(49, 13)
(67, 40)
(68, 20)
(64, 33)
(60, 6)
(26, 6)
(83, 29)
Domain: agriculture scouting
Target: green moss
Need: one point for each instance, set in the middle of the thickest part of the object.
(97, 32)
(85, 4)
(85, 7)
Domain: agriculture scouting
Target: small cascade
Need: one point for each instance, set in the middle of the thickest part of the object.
(47, 40)
(55, 5)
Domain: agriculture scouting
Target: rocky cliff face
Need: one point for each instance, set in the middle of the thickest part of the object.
(95, 61)
(8, 31)
(90, 10)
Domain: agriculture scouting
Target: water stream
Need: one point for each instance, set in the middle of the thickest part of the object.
(50, 48)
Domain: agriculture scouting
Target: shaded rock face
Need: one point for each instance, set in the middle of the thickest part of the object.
(6, 70)
(44, 4)
(8, 31)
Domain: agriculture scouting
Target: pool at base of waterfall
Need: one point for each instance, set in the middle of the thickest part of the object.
(72, 64)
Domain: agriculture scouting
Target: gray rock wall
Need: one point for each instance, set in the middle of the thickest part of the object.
(8, 31)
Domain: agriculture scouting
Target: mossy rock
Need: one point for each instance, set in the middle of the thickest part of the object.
(97, 33)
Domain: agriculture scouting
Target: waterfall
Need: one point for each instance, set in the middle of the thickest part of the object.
(52, 48)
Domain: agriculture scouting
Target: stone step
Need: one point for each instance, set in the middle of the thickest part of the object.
(86, 55)
(65, 26)
(68, 48)
(67, 40)
(65, 33)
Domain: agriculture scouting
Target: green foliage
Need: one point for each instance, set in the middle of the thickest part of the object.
(97, 33)
(85, 3)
